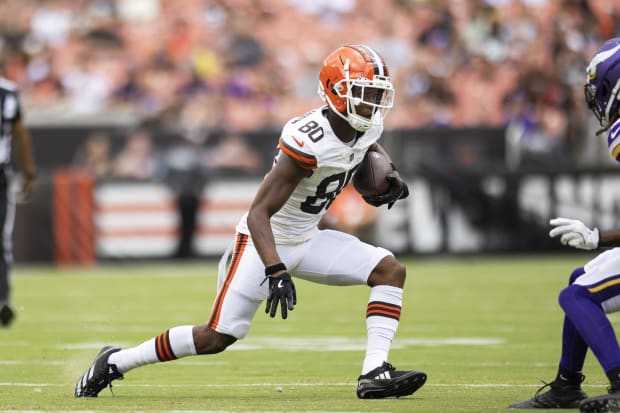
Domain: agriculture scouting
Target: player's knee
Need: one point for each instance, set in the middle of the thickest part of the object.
(571, 294)
(208, 341)
(566, 296)
(388, 272)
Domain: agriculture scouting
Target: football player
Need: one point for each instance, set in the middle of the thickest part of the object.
(593, 289)
(13, 135)
(278, 240)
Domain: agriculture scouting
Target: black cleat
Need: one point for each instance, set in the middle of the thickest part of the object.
(386, 381)
(7, 315)
(99, 375)
(602, 404)
(559, 396)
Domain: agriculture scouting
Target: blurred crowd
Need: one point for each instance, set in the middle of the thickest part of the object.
(241, 65)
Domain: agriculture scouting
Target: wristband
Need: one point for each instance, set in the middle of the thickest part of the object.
(272, 269)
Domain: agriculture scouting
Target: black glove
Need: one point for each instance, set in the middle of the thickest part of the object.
(398, 190)
(282, 290)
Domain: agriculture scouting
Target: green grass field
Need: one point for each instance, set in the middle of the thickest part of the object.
(484, 329)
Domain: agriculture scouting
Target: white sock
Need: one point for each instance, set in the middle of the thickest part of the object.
(382, 318)
(172, 344)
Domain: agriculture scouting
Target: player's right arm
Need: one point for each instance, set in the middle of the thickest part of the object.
(272, 194)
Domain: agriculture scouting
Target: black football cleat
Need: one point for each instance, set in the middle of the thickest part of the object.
(7, 315)
(386, 381)
(559, 396)
(602, 404)
(99, 375)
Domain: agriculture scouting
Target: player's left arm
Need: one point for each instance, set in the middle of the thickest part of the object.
(398, 187)
(22, 147)
(273, 193)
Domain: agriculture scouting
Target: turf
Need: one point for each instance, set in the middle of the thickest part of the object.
(486, 330)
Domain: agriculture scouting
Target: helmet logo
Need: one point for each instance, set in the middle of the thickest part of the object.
(600, 58)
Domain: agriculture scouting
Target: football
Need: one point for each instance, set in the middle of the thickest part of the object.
(369, 179)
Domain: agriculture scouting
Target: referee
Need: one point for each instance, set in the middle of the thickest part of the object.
(13, 135)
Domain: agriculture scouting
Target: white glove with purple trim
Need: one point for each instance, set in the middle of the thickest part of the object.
(574, 233)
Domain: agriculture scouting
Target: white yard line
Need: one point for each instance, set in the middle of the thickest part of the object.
(313, 384)
(202, 362)
(319, 344)
(196, 411)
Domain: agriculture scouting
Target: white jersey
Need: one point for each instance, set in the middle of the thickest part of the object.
(310, 140)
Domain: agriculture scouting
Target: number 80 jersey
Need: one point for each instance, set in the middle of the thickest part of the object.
(310, 140)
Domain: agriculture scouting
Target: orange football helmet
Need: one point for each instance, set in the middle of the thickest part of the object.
(354, 78)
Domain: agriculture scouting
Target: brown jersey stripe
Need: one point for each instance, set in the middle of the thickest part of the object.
(305, 161)
(240, 244)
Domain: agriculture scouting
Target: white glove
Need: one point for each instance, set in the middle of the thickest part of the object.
(574, 233)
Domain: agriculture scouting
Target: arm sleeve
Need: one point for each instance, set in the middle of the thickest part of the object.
(299, 148)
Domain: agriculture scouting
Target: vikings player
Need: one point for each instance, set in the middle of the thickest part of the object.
(593, 289)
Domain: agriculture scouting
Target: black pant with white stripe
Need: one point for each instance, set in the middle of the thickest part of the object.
(7, 217)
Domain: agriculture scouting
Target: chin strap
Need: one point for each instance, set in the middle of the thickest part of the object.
(609, 125)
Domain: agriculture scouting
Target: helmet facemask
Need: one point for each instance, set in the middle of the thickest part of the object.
(368, 101)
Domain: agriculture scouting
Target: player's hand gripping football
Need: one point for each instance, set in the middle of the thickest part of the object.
(281, 290)
(574, 233)
(398, 190)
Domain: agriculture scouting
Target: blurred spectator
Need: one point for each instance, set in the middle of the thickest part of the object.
(93, 156)
(137, 159)
(186, 176)
(233, 153)
(51, 22)
(455, 63)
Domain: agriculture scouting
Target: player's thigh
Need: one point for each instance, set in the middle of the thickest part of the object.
(336, 258)
(604, 266)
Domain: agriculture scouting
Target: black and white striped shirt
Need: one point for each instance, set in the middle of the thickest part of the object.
(10, 112)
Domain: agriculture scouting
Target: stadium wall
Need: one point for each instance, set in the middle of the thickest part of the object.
(463, 201)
